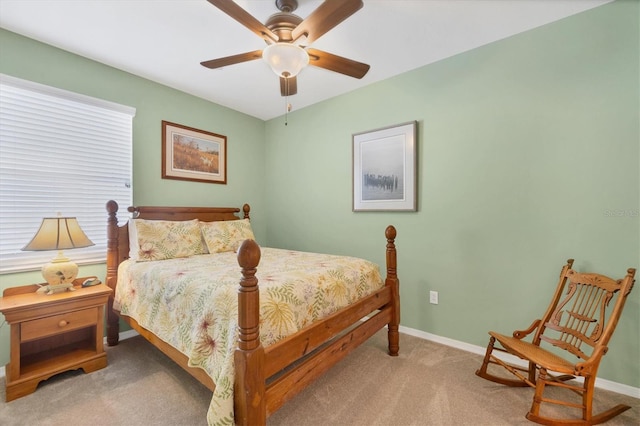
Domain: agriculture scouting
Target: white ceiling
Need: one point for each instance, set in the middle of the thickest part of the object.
(165, 40)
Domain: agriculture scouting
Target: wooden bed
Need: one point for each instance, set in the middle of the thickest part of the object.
(265, 377)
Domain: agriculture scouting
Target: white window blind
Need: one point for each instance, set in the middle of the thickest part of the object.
(60, 153)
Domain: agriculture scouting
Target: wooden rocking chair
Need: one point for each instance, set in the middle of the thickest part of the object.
(577, 322)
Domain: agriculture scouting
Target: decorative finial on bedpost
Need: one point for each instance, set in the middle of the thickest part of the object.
(390, 233)
(245, 209)
(249, 255)
(112, 207)
(394, 284)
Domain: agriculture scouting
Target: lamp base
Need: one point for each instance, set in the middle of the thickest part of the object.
(59, 274)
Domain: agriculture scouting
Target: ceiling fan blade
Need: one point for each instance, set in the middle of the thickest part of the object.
(234, 59)
(232, 9)
(337, 63)
(288, 86)
(326, 16)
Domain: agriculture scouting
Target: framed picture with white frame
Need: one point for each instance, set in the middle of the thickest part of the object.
(385, 169)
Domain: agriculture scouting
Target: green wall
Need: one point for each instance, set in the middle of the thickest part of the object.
(528, 152)
(24, 58)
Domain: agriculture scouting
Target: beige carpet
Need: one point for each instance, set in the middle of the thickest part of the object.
(428, 384)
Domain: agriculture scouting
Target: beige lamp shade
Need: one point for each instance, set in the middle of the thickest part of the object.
(59, 233)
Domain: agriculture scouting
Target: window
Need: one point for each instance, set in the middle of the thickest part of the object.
(60, 152)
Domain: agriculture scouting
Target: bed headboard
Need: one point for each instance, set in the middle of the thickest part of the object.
(118, 236)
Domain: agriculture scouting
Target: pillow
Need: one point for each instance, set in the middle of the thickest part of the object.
(226, 235)
(164, 239)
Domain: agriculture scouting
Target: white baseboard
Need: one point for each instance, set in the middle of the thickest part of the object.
(479, 350)
(600, 383)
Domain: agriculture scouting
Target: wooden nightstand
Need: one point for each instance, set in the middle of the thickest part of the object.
(52, 333)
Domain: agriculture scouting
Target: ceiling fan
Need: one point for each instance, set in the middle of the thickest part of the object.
(288, 35)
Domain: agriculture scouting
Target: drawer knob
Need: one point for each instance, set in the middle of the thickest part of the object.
(63, 323)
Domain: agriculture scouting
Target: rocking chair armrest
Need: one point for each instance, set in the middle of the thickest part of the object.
(586, 367)
(519, 334)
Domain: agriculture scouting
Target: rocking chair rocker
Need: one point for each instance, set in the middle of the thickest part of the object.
(577, 323)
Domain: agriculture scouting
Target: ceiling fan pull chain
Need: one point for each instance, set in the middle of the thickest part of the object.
(288, 108)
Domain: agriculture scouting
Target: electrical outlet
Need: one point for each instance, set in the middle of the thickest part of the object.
(433, 297)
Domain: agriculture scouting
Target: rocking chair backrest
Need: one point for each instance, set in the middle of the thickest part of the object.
(581, 321)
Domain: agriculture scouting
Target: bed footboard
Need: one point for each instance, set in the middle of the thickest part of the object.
(263, 381)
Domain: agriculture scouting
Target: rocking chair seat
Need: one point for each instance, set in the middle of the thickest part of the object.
(534, 353)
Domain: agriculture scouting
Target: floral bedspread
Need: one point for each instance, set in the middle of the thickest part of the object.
(192, 304)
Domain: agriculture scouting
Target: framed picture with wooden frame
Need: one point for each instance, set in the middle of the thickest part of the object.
(385, 169)
(192, 154)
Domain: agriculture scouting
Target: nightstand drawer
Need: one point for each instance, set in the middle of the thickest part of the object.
(62, 323)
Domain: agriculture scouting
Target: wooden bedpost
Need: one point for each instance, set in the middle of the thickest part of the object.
(245, 211)
(250, 403)
(113, 326)
(394, 284)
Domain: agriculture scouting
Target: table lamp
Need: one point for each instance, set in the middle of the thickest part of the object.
(58, 233)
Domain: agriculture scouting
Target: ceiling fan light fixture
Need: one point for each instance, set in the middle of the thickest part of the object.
(285, 59)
